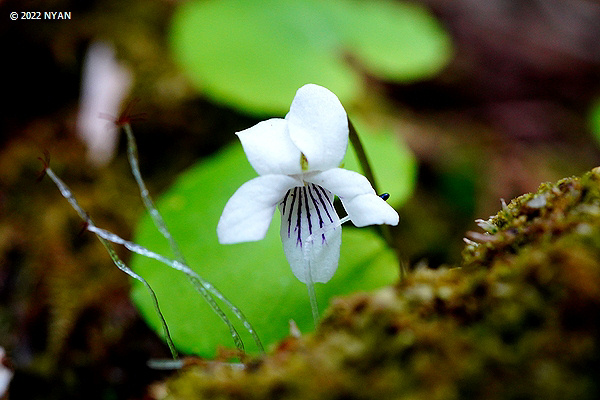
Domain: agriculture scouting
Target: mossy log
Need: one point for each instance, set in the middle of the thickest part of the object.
(518, 319)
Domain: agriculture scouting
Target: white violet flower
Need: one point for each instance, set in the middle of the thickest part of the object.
(298, 160)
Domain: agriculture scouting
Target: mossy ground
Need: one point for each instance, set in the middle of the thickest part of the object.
(518, 319)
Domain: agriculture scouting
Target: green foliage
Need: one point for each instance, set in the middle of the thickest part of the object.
(254, 55)
(254, 276)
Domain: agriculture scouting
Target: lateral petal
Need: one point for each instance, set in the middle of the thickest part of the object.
(358, 197)
(370, 209)
(249, 211)
(269, 148)
(318, 126)
(311, 232)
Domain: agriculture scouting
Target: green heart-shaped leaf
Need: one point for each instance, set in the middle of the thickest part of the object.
(255, 54)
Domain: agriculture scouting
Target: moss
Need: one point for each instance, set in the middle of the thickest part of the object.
(519, 318)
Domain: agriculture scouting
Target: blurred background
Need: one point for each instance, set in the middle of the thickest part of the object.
(490, 98)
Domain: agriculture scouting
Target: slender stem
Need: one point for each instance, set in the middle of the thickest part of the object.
(403, 269)
(383, 230)
(206, 289)
(160, 224)
(310, 284)
(312, 295)
(313, 302)
(67, 194)
(308, 272)
(361, 155)
(106, 237)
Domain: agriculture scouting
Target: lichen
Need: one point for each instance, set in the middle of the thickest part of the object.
(518, 318)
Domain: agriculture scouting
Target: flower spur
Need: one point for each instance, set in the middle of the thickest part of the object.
(297, 159)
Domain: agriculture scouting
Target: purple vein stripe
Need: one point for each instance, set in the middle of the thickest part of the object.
(323, 201)
(284, 201)
(312, 196)
(299, 218)
(306, 207)
(289, 219)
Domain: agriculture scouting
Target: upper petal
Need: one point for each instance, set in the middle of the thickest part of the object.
(249, 211)
(269, 148)
(358, 197)
(318, 126)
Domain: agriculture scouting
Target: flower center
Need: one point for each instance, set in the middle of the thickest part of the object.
(303, 162)
(307, 211)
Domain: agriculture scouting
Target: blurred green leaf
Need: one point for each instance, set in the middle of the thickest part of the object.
(254, 276)
(595, 119)
(254, 55)
(394, 40)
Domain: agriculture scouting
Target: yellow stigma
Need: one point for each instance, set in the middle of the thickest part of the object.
(303, 162)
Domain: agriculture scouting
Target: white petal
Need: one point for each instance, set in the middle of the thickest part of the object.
(318, 126)
(269, 148)
(6, 374)
(358, 197)
(370, 209)
(311, 233)
(105, 83)
(249, 211)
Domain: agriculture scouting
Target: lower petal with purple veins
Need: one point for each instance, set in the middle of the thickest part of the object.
(310, 232)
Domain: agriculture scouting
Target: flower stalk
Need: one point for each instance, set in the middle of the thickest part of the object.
(363, 160)
(359, 150)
